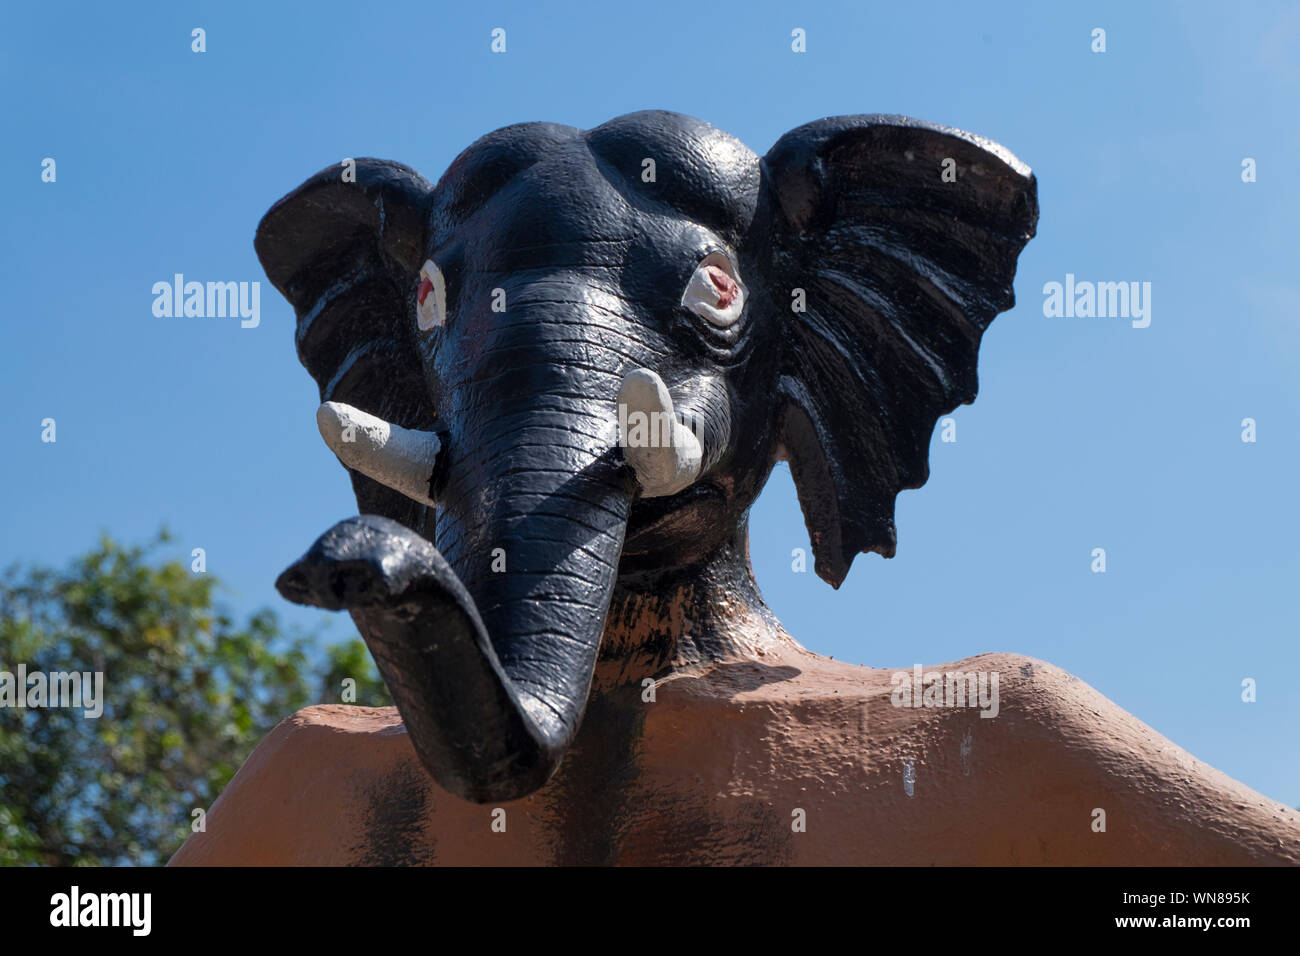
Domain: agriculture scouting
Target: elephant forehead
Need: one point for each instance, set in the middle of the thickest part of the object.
(682, 163)
(559, 184)
(482, 171)
(555, 214)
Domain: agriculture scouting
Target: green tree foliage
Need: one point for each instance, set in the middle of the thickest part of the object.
(188, 692)
(351, 661)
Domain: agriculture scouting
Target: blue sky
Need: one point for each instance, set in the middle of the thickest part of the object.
(1087, 432)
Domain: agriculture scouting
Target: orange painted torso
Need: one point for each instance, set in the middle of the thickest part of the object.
(782, 757)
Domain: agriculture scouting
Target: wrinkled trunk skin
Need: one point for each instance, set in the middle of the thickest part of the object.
(533, 525)
(488, 643)
(534, 499)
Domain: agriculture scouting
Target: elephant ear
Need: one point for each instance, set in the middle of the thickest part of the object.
(903, 238)
(347, 256)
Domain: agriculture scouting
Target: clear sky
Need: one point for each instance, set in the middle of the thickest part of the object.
(1088, 433)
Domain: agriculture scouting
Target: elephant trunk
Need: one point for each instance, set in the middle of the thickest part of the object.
(489, 641)
(537, 549)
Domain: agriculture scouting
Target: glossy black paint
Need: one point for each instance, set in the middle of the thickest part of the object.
(900, 272)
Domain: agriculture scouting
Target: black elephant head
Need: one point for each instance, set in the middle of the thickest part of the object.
(580, 354)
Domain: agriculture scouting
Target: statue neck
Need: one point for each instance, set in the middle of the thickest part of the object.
(677, 617)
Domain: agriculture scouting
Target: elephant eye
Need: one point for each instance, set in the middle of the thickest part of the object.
(715, 292)
(431, 297)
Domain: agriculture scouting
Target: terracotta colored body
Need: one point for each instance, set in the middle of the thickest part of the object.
(712, 771)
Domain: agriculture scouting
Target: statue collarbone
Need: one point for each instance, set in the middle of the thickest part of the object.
(560, 376)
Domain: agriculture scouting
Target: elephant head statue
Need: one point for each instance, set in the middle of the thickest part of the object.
(571, 364)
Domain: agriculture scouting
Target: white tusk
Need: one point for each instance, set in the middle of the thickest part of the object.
(398, 457)
(665, 454)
